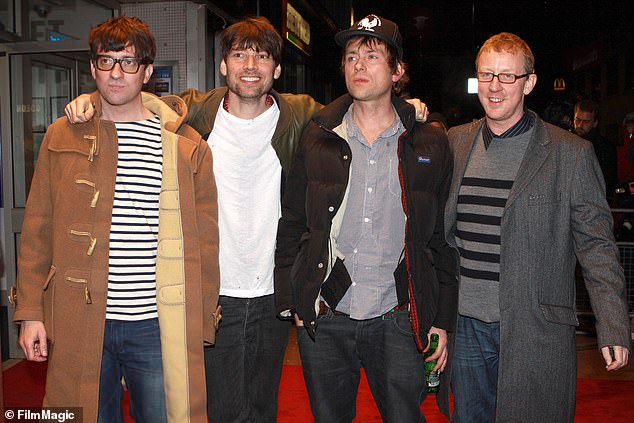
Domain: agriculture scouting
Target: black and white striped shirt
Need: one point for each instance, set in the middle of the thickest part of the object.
(134, 228)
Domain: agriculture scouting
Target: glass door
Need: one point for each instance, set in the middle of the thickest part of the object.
(38, 84)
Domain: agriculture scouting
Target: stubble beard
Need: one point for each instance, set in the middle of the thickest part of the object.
(251, 94)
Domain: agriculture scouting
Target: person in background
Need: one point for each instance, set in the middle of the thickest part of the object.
(361, 243)
(585, 122)
(118, 266)
(560, 113)
(527, 202)
(253, 132)
(625, 150)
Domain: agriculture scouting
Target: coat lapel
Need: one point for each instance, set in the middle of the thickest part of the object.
(462, 144)
(535, 156)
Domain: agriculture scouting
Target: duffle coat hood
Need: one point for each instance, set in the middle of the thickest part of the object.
(63, 265)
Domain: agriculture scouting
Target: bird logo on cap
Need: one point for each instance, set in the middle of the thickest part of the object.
(369, 22)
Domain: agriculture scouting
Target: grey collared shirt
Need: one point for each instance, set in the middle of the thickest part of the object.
(373, 227)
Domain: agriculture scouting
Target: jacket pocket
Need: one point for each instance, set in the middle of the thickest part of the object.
(559, 314)
(80, 283)
(335, 287)
(74, 316)
(48, 292)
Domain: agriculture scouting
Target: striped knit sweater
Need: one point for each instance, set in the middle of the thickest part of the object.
(482, 197)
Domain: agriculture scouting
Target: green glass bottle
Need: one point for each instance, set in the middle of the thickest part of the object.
(432, 379)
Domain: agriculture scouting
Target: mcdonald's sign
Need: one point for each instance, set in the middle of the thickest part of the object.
(559, 84)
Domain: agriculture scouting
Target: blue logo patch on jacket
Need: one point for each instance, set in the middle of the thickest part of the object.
(424, 159)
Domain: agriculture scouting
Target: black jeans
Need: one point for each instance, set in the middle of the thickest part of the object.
(244, 367)
(383, 346)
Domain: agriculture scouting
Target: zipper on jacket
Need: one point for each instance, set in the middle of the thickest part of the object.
(95, 196)
(93, 241)
(86, 290)
(330, 131)
(410, 284)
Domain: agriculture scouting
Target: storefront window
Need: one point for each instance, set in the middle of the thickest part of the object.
(60, 20)
(41, 85)
(5, 15)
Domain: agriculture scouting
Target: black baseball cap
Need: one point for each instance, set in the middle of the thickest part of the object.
(374, 26)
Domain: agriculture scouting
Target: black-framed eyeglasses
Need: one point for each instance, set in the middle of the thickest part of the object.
(504, 78)
(128, 64)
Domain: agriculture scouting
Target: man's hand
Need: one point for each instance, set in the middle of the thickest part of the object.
(421, 109)
(441, 350)
(79, 110)
(32, 340)
(298, 322)
(615, 357)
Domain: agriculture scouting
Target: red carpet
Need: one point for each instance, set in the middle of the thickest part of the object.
(597, 400)
(294, 406)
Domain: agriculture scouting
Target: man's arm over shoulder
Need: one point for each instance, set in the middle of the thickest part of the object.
(303, 106)
(192, 97)
(201, 111)
(80, 109)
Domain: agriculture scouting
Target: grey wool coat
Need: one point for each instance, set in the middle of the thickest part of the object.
(556, 214)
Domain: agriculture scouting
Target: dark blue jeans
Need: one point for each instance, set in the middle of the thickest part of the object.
(386, 350)
(244, 367)
(132, 350)
(474, 375)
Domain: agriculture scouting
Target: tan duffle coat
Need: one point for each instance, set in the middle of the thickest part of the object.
(63, 265)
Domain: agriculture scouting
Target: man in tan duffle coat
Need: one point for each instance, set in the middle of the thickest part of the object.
(118, 270)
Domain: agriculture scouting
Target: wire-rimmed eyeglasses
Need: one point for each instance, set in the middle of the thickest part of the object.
(504, 78)
(128, 64)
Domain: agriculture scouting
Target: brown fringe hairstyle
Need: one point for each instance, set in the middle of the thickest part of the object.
(120, 32)
(252, 32)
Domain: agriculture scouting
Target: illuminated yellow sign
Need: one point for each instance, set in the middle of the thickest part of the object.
(297, 29)
(559, 84)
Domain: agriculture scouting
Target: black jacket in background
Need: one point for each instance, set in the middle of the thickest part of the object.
(605, 151)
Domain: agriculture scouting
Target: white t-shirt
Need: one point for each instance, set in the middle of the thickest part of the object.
(248, 175)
